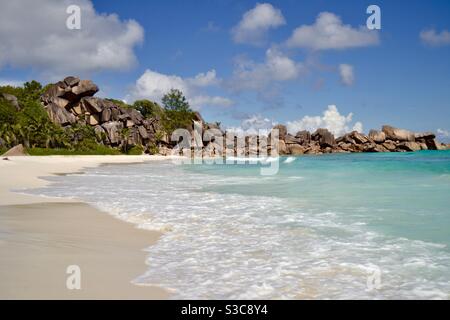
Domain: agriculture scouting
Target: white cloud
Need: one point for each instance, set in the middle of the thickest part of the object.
(277, 67)
(443, 133)
(205, 79)
(154, 85)
(328, 32)
(256, 22)
(432, 38)
(199, 101)
(34, 34)
(347, 74)
(13, 83)
(256, 124)
(331, 119)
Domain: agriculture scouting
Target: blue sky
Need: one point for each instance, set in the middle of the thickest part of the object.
(400, 79)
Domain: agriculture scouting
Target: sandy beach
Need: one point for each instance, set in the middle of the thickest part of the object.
(40, 237)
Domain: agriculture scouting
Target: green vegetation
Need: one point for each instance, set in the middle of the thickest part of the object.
(29, 124)
(149, 108)
(136, 150)
(178, 113)
(98, 150)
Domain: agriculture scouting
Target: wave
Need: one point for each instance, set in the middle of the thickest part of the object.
(231, 246)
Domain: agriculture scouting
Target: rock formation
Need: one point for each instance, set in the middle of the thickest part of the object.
(18, 150)
(72, 101)
(389, 139)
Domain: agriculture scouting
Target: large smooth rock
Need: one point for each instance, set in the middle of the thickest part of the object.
(290, 139)
(85, 88)
(282, 131)
(303, 137)
(71, 81)
(313, 148)
(296, 149)
(106, 115)
(93, 119)
(60, 115)
(60, 102)
(282, 148)
(143, 132)
(409, 146)
(12, 99)
(389, 145)
(18, 150)
(377, 136)
(53, 91)
(424, 135)
(135, 116)
(115, 113)
(397, 134)
(359, 137)
(113, 130)
(92, 105)
(324, 137)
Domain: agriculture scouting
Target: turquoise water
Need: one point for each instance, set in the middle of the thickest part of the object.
(401, 194)
(318, 229)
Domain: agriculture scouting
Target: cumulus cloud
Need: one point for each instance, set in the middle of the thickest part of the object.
(443, 133)
(346, 73)
(255, 24)
(154, 85)
(255, 124)
(34, 34)
(432, 38)
(277, 67)
(331, 119)
(328, 32)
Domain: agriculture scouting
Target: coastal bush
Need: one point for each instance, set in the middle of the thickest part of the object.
(98, 150)
(136, 150)
(26, 122)
(148, 108)
(178, 113)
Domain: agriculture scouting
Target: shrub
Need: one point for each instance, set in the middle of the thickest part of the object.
(136, 150)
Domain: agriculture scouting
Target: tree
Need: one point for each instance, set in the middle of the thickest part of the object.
(174, 100)
(178, 114)
(148, 108)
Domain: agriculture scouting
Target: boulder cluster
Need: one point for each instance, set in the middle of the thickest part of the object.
(389, 139)
(72, 101)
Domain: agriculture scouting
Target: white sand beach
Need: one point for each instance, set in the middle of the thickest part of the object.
(40, 237)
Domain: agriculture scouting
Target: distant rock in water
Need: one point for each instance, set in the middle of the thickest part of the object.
(18, 150)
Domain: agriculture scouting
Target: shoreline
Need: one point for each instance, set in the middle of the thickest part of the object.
(41, 236)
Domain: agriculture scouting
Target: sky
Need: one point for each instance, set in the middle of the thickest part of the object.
(247, 64)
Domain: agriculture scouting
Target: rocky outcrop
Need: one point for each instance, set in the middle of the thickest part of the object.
(396, 134)
(389, 139)
(18, 150)
(377, 136)
(324, 137)
(72, 101)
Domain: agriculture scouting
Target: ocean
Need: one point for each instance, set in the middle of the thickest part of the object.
(343, 226)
